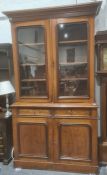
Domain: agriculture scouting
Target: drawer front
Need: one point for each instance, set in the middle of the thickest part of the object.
(1, 154)
(1, 150)
(1, 140)
(52, 112)
(73, 112)
(28, 112)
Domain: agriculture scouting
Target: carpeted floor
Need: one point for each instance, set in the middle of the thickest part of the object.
(10, 170)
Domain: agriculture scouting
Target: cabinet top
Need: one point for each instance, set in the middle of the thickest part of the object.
(54, 105)
(101, 37)
(55, 12)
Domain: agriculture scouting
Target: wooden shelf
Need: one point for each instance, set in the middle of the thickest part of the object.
(4, 68)
(31, 44)
(72, 63)
(74, 79)
(101, 73)
(27, 88)
(32, 80)
(73, 42)
(32, 64)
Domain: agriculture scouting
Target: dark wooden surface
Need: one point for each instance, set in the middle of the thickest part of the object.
(103, 139)
(5, 138)
(101, 42)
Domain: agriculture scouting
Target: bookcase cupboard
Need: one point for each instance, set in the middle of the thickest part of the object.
(101, 53)
(55, 115)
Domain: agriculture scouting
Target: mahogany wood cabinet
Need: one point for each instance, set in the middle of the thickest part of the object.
(101, 52)
(55, 115)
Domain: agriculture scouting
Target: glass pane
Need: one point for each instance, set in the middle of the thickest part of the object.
(32, 61)
(3, 58)
(105, 58)
(4, 74)
(70, 32)
(73, 60)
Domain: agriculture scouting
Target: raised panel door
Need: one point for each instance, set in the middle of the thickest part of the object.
(74, 140)
(33, 139)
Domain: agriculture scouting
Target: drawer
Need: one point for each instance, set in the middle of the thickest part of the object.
(1, 138)
(73, 112)
(1, 146)
(1, 142)
(1, 150)
(29, 112)
(1, 154)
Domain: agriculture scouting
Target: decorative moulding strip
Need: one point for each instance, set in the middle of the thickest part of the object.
(71, 11)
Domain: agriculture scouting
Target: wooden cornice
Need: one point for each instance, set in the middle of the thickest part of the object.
(55, 12)
(101, 37)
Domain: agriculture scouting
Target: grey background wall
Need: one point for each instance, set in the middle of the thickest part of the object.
(5, 29)
(6, 5)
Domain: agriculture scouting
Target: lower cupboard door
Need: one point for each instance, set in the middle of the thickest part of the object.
(75, 140)
(33, 138)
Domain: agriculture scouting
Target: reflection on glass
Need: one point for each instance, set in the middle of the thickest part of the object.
(31, 47)
(73, 60)
(105, 58)
(73, 88)
(74, 31)
(4, 74)
(73, 71)
(33, 88)
(3, 56)
(4, 70)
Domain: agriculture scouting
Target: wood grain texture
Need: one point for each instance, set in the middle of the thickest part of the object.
(56, 132)
(89, 9)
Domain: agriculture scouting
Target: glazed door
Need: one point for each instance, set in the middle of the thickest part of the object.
(4, 63)
(72, 60)
(32, 61)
